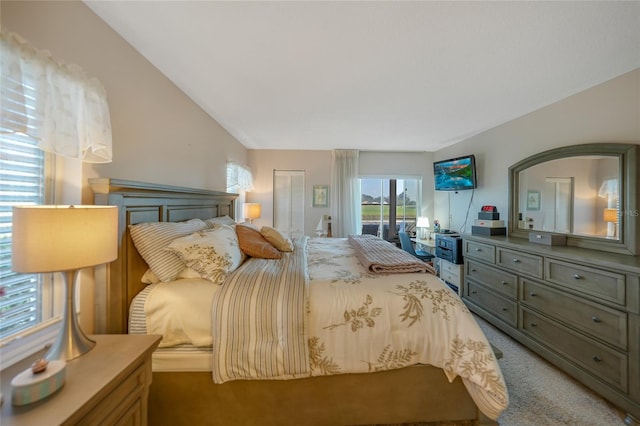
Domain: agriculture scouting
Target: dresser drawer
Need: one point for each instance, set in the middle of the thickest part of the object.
(519, 262)
(480, 251)
(500, 281)
(597, 359)
(583, 279)
(599, 321)
(505, 309)
(449, 268)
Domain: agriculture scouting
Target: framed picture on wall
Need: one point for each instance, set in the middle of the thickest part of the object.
(320, 195)
(533, 200)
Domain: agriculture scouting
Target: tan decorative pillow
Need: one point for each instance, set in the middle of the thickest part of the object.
(276, 238)
(253, 244)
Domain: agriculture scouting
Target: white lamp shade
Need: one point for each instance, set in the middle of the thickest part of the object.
(252, 210)
(422, 222)
(63, 238)
(610, 215)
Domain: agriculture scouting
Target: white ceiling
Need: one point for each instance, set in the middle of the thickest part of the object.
(400, 76)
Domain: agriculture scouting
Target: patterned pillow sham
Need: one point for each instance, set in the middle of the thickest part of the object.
(220, 220)
(253, 244)
(276, 238)
(213, 253)
(151, 240)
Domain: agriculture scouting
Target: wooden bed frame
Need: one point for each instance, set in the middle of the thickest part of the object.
(418, 394)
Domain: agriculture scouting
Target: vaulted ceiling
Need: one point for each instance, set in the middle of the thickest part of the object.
(382, 75)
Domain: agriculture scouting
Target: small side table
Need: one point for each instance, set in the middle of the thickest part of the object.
(108, 385)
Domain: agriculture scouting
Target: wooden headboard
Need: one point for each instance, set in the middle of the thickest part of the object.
(118, 282)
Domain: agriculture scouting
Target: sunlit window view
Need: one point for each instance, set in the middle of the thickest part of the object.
(377, 203)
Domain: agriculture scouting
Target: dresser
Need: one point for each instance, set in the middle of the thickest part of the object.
(108, 385)
(577, 308)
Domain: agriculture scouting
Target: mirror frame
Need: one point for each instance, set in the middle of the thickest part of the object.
(629, 241)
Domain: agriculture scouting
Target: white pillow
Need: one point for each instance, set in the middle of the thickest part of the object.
(220, 220)
(187, 273)
(151, 240)
(213, 253)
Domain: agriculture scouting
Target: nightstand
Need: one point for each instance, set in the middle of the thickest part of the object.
(108, 385)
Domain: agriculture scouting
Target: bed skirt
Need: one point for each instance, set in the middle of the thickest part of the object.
(416, 394)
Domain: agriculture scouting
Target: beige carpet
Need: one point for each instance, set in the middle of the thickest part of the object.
(542, 395)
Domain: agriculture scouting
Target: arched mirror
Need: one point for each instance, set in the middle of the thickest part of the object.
(587, 192)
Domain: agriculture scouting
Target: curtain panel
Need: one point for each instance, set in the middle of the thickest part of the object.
(55, 103)
(345, 193)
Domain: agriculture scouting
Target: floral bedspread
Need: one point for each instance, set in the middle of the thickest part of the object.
(363, 322)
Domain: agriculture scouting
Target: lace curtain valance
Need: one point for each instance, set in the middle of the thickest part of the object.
(55, 103)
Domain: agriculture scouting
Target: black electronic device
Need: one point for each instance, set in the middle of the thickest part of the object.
(455, 174)
(449, 248)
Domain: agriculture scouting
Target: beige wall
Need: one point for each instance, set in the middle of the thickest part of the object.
(609, 112)
(159, 134)
(317, 167)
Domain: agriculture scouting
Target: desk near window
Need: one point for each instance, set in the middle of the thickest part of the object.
(428, 245)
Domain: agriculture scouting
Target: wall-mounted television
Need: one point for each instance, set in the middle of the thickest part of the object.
(455, 174)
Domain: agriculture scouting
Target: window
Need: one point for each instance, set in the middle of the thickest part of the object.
(22, 181)
(383, 196)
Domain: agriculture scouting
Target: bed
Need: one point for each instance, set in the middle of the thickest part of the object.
(394, 388)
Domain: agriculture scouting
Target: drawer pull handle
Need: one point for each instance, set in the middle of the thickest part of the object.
(478, 249)
(596, 358)
(533, 324)
(505, 309)
(473, 291)
(595, 319)
(577, 277)
(516, 260)
(533, 294)
(473, 270)
(504, 282)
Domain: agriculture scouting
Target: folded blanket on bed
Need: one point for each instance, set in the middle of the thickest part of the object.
(380, 256)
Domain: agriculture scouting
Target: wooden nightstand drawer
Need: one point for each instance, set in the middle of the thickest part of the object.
(599, 321)
(480, 251)
(599, 360)
(504, 309)
(108, 385)
(119, 406)
(519, 262)
(597, 282)
(499, 281)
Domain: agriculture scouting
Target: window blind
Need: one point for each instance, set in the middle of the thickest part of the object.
(22, 182)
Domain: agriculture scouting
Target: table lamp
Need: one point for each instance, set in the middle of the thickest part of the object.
(611, 217)
(422, 223)
(252, 211)
(64, 239)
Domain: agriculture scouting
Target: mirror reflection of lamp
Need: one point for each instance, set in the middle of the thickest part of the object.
(609, 191)
(611, 217)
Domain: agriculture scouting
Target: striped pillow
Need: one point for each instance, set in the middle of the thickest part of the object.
(152, 238)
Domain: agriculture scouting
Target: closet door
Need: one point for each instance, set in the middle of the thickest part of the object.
(288, 202)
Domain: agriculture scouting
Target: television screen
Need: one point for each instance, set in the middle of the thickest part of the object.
(455, 174)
